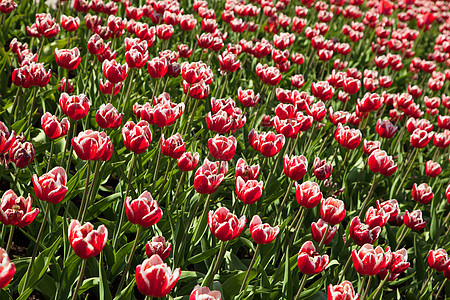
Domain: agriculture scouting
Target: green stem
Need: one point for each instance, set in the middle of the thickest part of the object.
(130, 258)
(85, 192)
(410, 163)
(367, 288)
(112, 93)
(11, 234)
(361, 286)
(249, 268)
(323, 238)
(217, 264)
(380, 286)
(30, 116)
(130, 83)
(91, 189)
(69, 160)
(347, 264)
(280, 209)
(52, 146)
(441, 288)
(369, 195)
(177, 190)
(404, 234)
(80, 279)
(302, 285)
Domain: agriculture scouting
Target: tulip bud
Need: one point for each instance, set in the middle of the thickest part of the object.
(51, 186)
(438, 259)
(308, 194)
(52, 127)
(414, 220)
(296, 167)
(309, 261)
(248, 191)
(143, 211)
(224, 225)
(222, 148)
(173, 147)
(158, 246)
(137, 137)
(188, 162)
(368, 260)
(262, 233)
(318, 230)
(332, 210)
(362, 234)
(342, 291)
(201, 293)
(422, 193)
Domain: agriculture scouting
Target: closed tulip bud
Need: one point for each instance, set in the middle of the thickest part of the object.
(108, 117)
(114, 72)
(308, 194)
(442, 139)
(188, 161)
(209, 176)
(420, 138)
(70, 23)
(16, 210)
(224, 225)
(370, 102)
(438, 259)
(432, 169)
(362, 234)
(390, 207)
(262, 233)
(22, 153)
(342, 291)
(143, 211)
(173, 147)
(7, 269)
(75, 107)
(351, 85)
(222, 148)
(309, 261)
(296, 167)
(68, 58)
(318, 230)
(370, 146)
(369, 261)
(245, 171)
(385, 129)
(204, 293)
(157, 67)
(51, 186)
(136, 59)
(248, 191)
(348, 138)
(376, 216)
(268, 144)
(6, 139)
(154, 278)
(422, 193)
(52, 127)
(322, 170)
(322, 90)
(137, 137)
(92, 145)
(414, 220)
(96, 45)
(158, 246)
(380, 162)
(317, 110)
(332, 210)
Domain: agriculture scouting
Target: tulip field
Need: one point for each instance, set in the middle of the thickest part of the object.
(225, 149)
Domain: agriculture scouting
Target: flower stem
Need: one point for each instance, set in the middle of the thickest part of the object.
(280, 209)
(75, 292)
(130, 258)
(83, 199)
(30, 116)
(52, 146)
(244, 283)
(112, 93)
(425, 284)
(411, 162)
(130, 176)
(442, 286)
(91, 189)
(302, 285)
(217, 263)
(177, 190)
(11, 234)
(323, 238)
(367, 288)
(380, 286)
(345, 268)
(36, 247)
(130, 83)
(369, 195)
(69, 160)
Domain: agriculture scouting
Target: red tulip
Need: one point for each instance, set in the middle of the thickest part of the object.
(376, 217)
(85, 241)
(308, 194)
(224, 225)
(348, 138)
(380, 162)
(370, 102)
(322, 90)
(22, 153)
(135, 58)
(309, 261)
(65, 86)
(108, 117)
(351, 85)
(248, 191)
(70, 23)
(114, 72)
(158, 246)
(342, 291)
(6, 139)
(296, 167)
(322, 170)
(262, 233)
(362, 234)
(221, 147)
(188, 162)
(245, 171)
(52, 127)
(92, 145)
(385, 129)
(51, 186)
(318, 230)
(370, 146)
(317, 111)
(136, 137)
(204, 293)
(432, 169)
(143, 211)
(46, 25)
(209, 176)
(369, 261)
(438, 259)
(75, 107)
(420, 138)
(15, 210)
(154, 278)
(332, 210)
(107, 87)
(68, 58)
(414, 220)
(96, 45)
(399, 261)
(6, 7)
(228, 62)
(157, 67)
(422, 193)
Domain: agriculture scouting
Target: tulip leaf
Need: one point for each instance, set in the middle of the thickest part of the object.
(203, 255)
(420, 267)
(103, 286)
(120, 259)
(125, 294)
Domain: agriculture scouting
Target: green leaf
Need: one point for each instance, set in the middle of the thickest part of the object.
(103, 286)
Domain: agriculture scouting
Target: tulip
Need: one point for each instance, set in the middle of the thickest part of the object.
(322, 90)
(262, 233)
(137, 137)
(438, 259)
(224, 225)
(318, 230)
(154, 278)
(107, 87)
(157, 67)
(143, 211)
(399, 261)
(188, 161)
(85, 241)
(332, 210)
(113, 71)
(173, 147)
(6, 139)
(75, 107)
(309, 261)
(204, 293)
(228, 62)
(370, 146)
(342, 291)
(51, 186)
(96, 45)
(362, 234)
(380, 162)
(420, 138)
(369, 261)
(268, 144)
(376, 217)
(70, 23)
(322, 170)
(296, 167)
(136, 59)
(414, 220)
(108, 117)
(222, 148)
(22, 153)
(385, 129)
(65, 86)
(68, 58)
(15, 210)
(422, 193)
(308, 194)
(348, 138)
(208, 177)
(248, 191)
(92, 145)
(46, 25)
(158, 246)
(245, 171)
(52, 127)
(432, 169)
